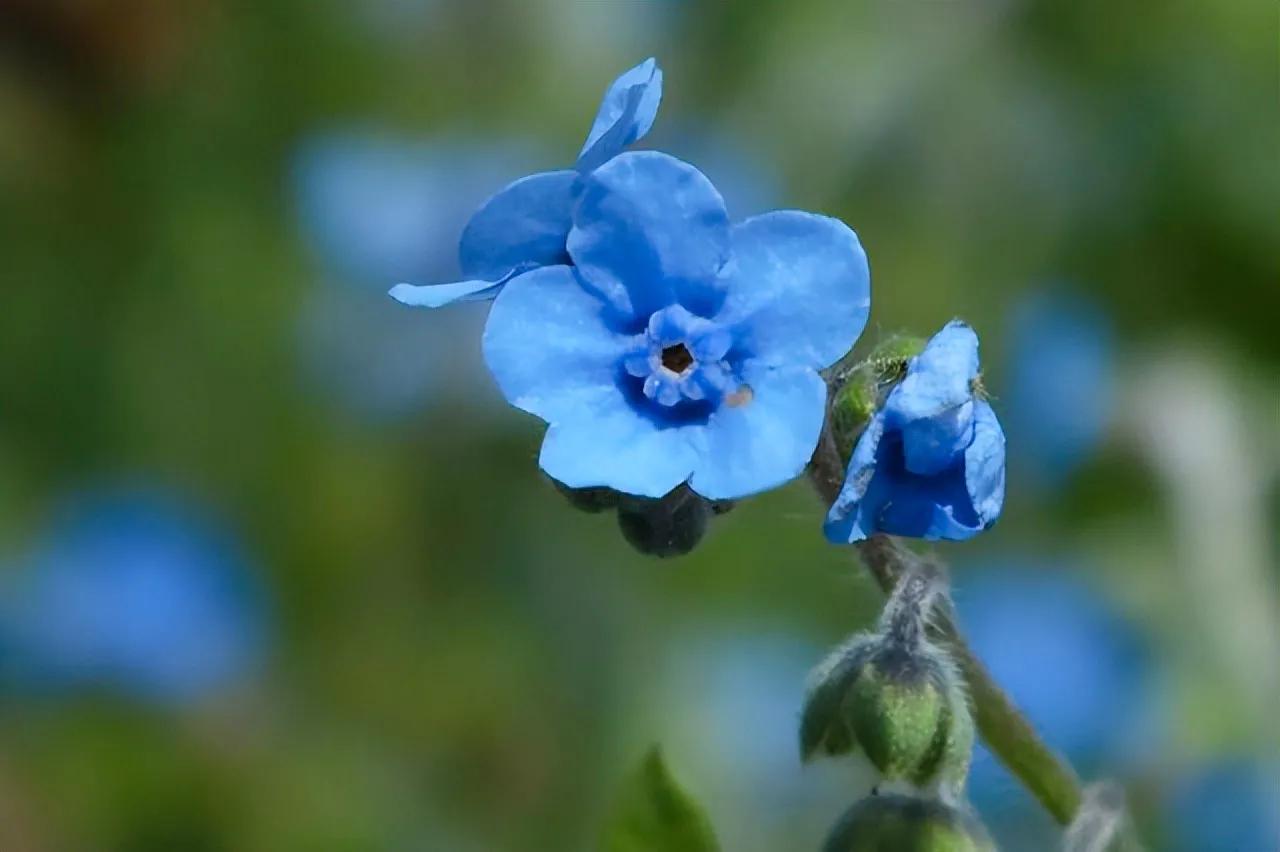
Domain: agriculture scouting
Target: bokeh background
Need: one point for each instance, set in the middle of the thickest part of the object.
(279, 571)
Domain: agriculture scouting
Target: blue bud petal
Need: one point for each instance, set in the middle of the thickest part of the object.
(626, 113)
(651, 231)
(932, 405)
(847, 521)
(549, 349)
(764, 436)
(799, 290)
(521, 227)
(984, 465)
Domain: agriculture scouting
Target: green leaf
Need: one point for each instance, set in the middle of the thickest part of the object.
(655, 815)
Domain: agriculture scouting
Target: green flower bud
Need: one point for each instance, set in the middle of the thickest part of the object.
(907, 824)
(894, 697)
(670, 526)
(861, 387)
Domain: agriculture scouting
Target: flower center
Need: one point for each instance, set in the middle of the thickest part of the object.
(677, 358)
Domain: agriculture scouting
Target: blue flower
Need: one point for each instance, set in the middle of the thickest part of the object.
(1077, 668)
(930, 463)
(131, 591)
(1060, 378)
(1096, 697)
(1227, 807)
(375, 207)
(525, 225)
(678, 348)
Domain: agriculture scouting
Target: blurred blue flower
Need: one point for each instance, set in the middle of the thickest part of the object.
(679, 348)
(376, 207)
(1059, 389)
(137, 593)
(930, 463)
(1075, 667)
(526, 224)
(1230, 807)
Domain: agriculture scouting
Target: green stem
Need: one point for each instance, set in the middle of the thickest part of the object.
(1003, 727)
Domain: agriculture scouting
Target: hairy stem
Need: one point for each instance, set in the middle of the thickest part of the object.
(1003, 727)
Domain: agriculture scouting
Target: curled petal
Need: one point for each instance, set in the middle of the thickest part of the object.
(984, 465)
(799, 289)
(847, 521)
(940, 377)
(549, 349)
(881, 495)
(650, 231)
(763, 434)
(438, 295)
(933, 406)
(521, 227)
(626, 113)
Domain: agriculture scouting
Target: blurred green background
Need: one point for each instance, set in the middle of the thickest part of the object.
(280, 570)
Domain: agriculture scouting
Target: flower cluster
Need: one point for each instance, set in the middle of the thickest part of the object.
(667, 348)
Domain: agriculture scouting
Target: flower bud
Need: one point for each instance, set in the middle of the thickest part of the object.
(861, 388)
(895, 697)
(907, 824)
(670, 526)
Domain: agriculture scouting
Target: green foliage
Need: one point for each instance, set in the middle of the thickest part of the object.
(655, 815)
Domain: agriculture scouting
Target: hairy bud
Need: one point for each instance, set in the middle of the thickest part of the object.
(860, 388)
(907, 824)
(895, 697)
(670, 526)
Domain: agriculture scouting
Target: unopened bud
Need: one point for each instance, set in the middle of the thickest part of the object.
(670, 526)
(862, 387)
(895, 697)
(907, 824)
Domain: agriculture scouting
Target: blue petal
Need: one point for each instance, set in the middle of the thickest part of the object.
(845, 521)
(650, 231)
(881, 495)
(626, 113)
(612, 444)
(764, 436)
(549, 349)
(438, 295)
(522, 227)
(799, 289)
(984, 465)
(932, 405)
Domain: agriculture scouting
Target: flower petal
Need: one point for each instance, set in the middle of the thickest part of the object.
(932, 444)
(521, 227)
(940, 377)
(881, 495)
(845, 520)
(984, 465)
(626, 113)
(650, 231)
(438, 295)
(767, 439)
(617, 447)
(799, 289)
(548, 348)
